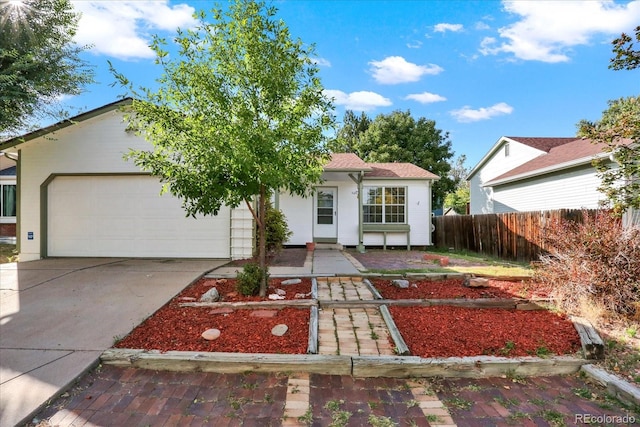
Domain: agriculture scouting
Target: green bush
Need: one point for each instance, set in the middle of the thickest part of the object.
(249, 279)
(277, 230)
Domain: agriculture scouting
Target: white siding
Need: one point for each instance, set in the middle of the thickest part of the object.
(573, 189)
(418, 214)
(496, 165)
(299, 214)
(94, 146)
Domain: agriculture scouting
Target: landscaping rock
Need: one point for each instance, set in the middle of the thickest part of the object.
(476, 282)
(302, 296)
(281, 292)
(211, 334)
(212, 295)
(275, 297)
(400, 283)
(279, 330)
(222, 310)
(264, 313)
(291, 282)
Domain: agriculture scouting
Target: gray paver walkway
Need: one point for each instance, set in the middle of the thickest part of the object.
(332, 262)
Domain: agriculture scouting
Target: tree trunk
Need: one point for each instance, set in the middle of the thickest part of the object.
(262, 239)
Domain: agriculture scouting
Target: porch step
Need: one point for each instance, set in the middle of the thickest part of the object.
(332, 246)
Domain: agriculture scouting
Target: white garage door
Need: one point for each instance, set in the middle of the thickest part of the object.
(125, 216)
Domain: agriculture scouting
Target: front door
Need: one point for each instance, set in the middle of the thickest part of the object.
(325, 215)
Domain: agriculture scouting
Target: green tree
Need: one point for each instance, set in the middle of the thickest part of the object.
(348, 135)
(458, 199)
(621, 121)
(38, 61)
(239, 112)
(398, 137)
(626, 57)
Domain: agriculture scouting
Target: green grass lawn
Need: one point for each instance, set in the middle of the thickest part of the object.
(7, 253)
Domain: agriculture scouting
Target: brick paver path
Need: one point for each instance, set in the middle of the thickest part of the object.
(116, 396)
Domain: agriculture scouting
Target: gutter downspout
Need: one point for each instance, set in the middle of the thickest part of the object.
(360, 248)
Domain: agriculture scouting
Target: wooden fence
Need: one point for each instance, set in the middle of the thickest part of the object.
(514, 236)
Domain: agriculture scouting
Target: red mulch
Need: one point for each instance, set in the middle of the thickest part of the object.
(179, 328)
(440, 331)
(228, 293)
(454, 288)
(176, 328)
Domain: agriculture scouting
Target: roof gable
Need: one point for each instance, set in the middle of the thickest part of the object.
(346, 162)
(573, 153)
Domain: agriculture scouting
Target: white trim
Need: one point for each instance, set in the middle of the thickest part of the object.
(544, 171)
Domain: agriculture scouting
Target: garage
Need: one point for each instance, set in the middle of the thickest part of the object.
(125, 216)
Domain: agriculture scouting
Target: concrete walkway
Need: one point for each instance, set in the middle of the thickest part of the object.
(58, 315)
(321, 262)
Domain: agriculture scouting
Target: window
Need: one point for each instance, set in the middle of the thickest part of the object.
(7, 200)
(384, 205)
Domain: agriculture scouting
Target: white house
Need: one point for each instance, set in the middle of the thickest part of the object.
(529, 174)
(77, 196)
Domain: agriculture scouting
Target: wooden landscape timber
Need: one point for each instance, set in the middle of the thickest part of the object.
(253, 304)
(227, 363)
(592, 344)
(312, 346)
(463, 367)
(616, 386)
(358, 366)
(401, 347)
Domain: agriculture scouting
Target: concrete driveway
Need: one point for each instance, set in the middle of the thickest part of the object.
(58, 315)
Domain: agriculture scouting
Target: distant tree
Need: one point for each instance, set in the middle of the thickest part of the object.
(398, 137)
(38, 61)
(348, 136)
(460, 197)
(239, 112)
(621, 183)
(626, 57)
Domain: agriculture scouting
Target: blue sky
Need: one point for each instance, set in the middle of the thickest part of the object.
(480, 69)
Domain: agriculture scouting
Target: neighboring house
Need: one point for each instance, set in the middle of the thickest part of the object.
(528, 174)
(79, 197)
(8, 196)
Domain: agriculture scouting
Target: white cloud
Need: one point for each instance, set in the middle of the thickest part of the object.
(480, 26)
(123, 29)
(417, 44)
(358, 101)
(466, 114)
(547, 30)
(426, 97)
(444, 27)
(395, 69)
(321, 62)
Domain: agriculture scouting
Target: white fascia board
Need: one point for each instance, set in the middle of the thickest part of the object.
(487, 156)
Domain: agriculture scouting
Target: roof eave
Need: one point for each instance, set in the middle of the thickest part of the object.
(10, 143)
(544, 171)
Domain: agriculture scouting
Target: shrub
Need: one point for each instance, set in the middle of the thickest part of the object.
(277, 230)
(593, 261)
(249, 279)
